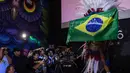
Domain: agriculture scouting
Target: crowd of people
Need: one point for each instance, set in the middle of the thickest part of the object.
(39, 60)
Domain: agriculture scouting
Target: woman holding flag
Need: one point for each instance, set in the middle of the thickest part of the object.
(99, 24)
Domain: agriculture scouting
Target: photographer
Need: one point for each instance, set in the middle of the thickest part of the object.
(68, 61)
(36, 64)
(50, 63)
(44, 58)
(30, 53)
(5, 60)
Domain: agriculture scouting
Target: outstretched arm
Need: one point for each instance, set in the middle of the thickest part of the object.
(1, 54)
(38, 65)
(9, 59)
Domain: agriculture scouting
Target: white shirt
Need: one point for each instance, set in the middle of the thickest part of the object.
(4, 64)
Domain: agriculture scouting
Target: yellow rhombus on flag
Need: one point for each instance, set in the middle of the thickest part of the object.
(92, 20)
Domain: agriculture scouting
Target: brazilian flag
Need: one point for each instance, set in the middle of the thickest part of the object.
(97, 27)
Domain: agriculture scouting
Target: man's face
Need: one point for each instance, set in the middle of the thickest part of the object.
(17, 53)
(5, 52)
(51, 53)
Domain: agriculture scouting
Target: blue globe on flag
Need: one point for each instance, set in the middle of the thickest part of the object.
(94, 25)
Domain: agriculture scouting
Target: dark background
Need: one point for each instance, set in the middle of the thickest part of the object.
(120, 53)
(55, 22)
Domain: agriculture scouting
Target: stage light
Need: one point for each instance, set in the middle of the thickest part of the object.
(24, 36)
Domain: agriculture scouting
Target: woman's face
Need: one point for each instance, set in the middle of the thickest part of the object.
(11, 70)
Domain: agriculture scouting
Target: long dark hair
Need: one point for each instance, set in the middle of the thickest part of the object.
(8, 68)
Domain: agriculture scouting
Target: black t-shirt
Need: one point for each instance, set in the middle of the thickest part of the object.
(20, 64)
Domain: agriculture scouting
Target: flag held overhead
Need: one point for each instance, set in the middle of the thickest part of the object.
(97, 27)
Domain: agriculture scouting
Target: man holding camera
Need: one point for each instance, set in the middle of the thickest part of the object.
(5, 60)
